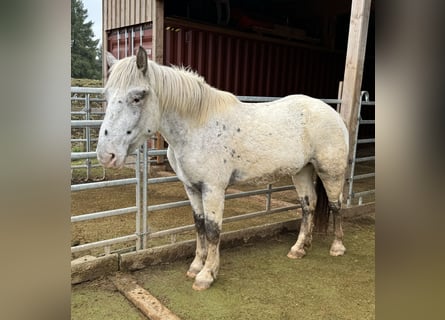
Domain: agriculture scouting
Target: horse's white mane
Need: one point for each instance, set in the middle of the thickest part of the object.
(178, 89)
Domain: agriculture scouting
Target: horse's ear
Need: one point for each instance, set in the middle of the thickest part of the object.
(110, 59)
(141, 59)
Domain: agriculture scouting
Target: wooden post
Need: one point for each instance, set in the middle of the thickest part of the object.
(158, 54)
(352, 80)
(104, 41)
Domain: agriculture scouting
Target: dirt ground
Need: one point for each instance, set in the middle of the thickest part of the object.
(256, 281)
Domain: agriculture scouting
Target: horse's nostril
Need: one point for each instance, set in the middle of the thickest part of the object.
(129, 132)
(106, 132)
(112, 156)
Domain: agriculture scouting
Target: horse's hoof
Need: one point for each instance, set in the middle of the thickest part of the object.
(298, 254)
(337, 249)
(191, 274)
(201, 285)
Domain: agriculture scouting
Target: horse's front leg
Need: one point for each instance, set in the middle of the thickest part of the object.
(195, 198)
(213, 203)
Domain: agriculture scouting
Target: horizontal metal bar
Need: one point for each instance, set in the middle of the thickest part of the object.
(257, 192)
(84, 166)
(87, 90)
(364, 176)
(170, 205)
(177, 204)
(103, 184)
(103, 214)
(85, 123)
(103, 243)
(162, 180)
(154, 152)
(368, 103)
(359, 141)
(367, 121)
(191, 227)
(83, 155)
(365, 159)
(260, 213)
(167, 232)
(331, 101)
(363, 193)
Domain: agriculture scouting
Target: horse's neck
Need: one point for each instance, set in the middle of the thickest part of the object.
(188, 95)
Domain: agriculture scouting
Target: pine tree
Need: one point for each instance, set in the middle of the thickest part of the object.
(85, 54)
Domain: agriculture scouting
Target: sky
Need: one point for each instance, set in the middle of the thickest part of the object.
(94, 8)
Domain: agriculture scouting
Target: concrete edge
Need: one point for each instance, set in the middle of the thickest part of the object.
(89, 268)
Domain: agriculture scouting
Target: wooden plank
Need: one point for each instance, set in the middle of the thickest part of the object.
(352, 80)
(105, 25)
(158, 53)
(141, 298)
(158, 31)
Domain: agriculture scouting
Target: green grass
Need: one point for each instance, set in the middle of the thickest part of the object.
(257, 281)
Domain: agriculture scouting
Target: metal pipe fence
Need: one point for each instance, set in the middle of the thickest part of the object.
(142, 208)
(354, 176)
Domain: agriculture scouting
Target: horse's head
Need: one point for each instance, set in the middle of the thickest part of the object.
(132, 113)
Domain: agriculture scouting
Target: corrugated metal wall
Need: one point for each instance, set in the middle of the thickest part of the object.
(124, 13)
(238, 62)
(250, 65)
(124, 42)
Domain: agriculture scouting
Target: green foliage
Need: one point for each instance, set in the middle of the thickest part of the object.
(86, 56)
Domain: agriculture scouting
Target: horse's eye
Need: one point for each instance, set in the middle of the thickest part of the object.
(136, 100)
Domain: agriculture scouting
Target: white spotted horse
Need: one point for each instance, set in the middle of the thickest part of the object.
(215, 140)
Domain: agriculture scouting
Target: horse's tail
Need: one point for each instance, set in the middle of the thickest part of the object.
(322, 211)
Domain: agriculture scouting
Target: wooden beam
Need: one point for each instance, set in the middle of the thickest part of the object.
(158, 31)
(352, 80)
(158, 53)
(141, 298)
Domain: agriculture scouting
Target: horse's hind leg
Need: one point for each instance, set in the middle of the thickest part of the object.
(307, 196)
(195, 198)
(334, 188)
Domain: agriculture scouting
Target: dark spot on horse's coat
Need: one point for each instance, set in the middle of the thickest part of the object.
(335, 206)
(129, 132)
(217, 123)
(238, 129)
(149, 131)
(212, 231)
(232, 153)
(199, 223)
(198, 186)
(225, 160)
(304, 202)
(119, 101)
(224, 127)
(219, 134)
(235, 177)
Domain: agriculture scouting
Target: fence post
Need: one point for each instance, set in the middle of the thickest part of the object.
(352, 80)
